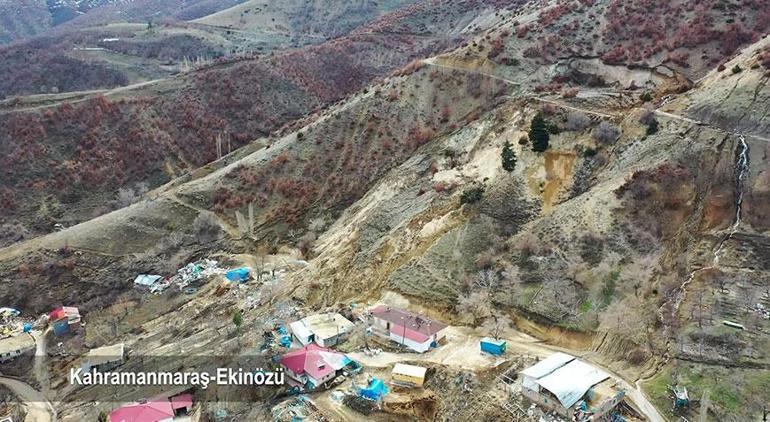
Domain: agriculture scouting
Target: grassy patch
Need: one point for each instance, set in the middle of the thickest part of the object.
(729, 391)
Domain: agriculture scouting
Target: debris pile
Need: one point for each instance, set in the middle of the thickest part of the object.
(196, 271)
(11, 323)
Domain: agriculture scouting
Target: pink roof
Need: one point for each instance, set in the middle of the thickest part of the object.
(63, 311)
(312, 359)
(182, 401)
(418, 328)
(151, 411)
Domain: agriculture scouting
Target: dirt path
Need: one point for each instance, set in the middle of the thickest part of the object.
(39, 409)
(432, 62)
(39, 368)
(76, 97)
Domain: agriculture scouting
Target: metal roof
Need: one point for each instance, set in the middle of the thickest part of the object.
(572, 381)
(548, 365)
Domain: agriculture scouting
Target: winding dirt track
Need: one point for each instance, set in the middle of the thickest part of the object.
(39, 409)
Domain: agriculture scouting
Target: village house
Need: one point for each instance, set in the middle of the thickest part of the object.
(570, 387)
(313, 365)
(64, 319)
(326, 330)
(417, 332)
(104, 359)
(13, 347)
(161, 409)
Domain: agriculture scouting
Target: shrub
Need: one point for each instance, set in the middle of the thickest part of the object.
(508, 157)
(577, 121)
(606, 133)
(652, 127)
(737, 69)
(646, 96)
(472, 195)
(206, 228)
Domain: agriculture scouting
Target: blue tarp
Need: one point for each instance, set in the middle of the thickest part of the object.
(27, 327)
(61, 327)
(285, 340)
(375, 391)
(238, 274)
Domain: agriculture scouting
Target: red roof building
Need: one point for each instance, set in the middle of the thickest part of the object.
(156, 410)
(313, 365)
(64, 319)
(417, 332)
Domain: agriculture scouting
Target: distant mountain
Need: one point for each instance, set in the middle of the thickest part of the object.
(26, 18)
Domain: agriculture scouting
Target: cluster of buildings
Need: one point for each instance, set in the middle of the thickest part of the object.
(572, 388)
(314, 364)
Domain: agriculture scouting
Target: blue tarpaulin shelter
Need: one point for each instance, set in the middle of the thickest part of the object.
(375, 391)
(238, 274)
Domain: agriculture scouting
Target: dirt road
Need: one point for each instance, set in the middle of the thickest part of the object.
(39, 409)
(73, 97)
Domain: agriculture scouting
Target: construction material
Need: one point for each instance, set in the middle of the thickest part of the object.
(408, 375)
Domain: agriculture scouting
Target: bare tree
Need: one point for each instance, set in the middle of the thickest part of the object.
(485, 280)
(496, 325)
(577, 121)
(317, 224)
(606, 133)
(512, 282)
(305, 243)
(476, 305)
(206, 227)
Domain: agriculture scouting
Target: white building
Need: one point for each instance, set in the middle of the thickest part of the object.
(326, 330)
(13, 347)
(570, 387)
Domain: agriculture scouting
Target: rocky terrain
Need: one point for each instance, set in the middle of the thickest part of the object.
(631, 235)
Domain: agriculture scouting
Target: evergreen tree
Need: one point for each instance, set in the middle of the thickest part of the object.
(237, 319)
(508, 157)
(538, 133)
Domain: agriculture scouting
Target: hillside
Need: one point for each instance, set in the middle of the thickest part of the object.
(20, 19)
(631, 225)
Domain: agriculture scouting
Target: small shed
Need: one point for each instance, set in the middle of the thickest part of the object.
(104, 358)
(239, 274)
(408, 375)
(492, 346)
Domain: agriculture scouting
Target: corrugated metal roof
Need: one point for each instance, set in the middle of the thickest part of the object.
(146, 280)
(548, 365)
(570, 382)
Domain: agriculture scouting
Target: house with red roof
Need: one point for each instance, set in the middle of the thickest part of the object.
(161, 409)
(64, 319)
(414, 331)
(313, 365)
